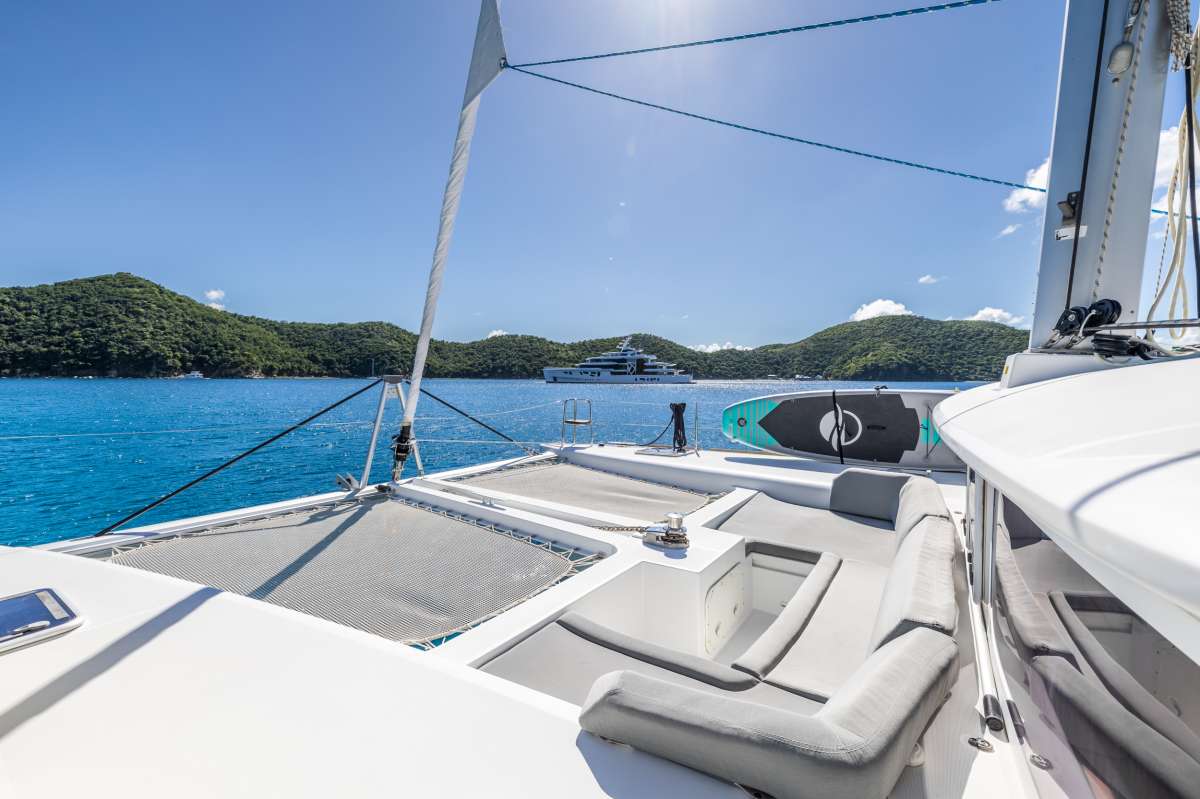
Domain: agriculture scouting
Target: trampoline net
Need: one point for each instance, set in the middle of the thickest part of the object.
(591, 489)
(403, 572)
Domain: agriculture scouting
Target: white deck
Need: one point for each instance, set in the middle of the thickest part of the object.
(323, 709)
(171, 689)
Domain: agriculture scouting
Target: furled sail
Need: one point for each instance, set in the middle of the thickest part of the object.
(487, 61)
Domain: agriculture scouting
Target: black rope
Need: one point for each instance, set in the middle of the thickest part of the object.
(846, 150)
(907, 12)
(837, 427)
(1191, 140)
(479, 422)
(235, 459)
(679, 438)
(1087, 153)
(656, 439)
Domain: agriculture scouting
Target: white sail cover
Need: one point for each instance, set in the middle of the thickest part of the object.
(487, 61)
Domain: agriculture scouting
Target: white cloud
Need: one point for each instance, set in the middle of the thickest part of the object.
(1020, 201)
(880, 307)
(214, 297)
(1008, 231)
(990, 314)
(717, 347)
(928, 280)
(496, 332)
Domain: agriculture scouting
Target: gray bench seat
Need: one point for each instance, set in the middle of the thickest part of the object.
(817, 529)
(836, 638)
(564, 659)
(869, 512)
(831, 698)
(854, 747)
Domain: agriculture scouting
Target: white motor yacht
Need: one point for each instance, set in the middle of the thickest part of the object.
(625, 364)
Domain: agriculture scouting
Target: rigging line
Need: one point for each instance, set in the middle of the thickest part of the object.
(1087, 154)
(1190, 110)
(796, 139)
(461, 412)
(784, 136)
(907, 12)
(237, 458)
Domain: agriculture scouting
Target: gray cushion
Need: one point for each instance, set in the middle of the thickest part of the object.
(1119, 682)
(920, 585)
(837, 638)
(867, 492)
(920, 497)
(1032, 629)
(538, 663)
(855, 747)
(1123, 751)
(766, 652)
(692, 666)
(1020, 527)
(816, 529)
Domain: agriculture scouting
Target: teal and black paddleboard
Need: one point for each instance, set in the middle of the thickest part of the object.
(864, 426)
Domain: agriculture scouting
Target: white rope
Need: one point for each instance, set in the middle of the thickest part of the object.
(1179, 14)
(1174, 282)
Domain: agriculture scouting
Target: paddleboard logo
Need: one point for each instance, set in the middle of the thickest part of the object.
(852, 428)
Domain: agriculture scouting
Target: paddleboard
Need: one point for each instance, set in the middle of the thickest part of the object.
(872, 426)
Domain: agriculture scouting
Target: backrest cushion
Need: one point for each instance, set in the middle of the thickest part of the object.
(920, 586)
(867, 492)
(919, 497)
(1028, 622)
(1021, 529)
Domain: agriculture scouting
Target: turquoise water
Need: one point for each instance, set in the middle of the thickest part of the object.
(76, 455)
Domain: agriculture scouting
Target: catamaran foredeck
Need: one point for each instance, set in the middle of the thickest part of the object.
(599, 620)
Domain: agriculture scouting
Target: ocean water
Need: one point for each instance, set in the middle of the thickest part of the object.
(76, 455)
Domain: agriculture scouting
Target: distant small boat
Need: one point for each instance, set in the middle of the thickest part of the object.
(193, 376)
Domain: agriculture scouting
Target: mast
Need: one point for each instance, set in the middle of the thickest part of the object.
(1111, 85)
(487, 61)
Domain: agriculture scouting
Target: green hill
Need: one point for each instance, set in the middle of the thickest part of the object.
(123, 325)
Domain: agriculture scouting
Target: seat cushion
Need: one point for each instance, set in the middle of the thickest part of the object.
(1029, 623)
(1119, 682)
(919, 497)
(855, 747)
(837, 638)
(815, 529)
(920, 584)
(557, 661)
(1124, 753)
(770, 647)
(867, 492)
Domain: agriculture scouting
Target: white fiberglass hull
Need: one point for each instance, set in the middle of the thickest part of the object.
(599, 376)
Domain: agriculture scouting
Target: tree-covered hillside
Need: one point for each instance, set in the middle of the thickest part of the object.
(123, 325)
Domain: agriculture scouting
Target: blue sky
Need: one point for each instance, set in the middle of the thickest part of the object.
(291, 155)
